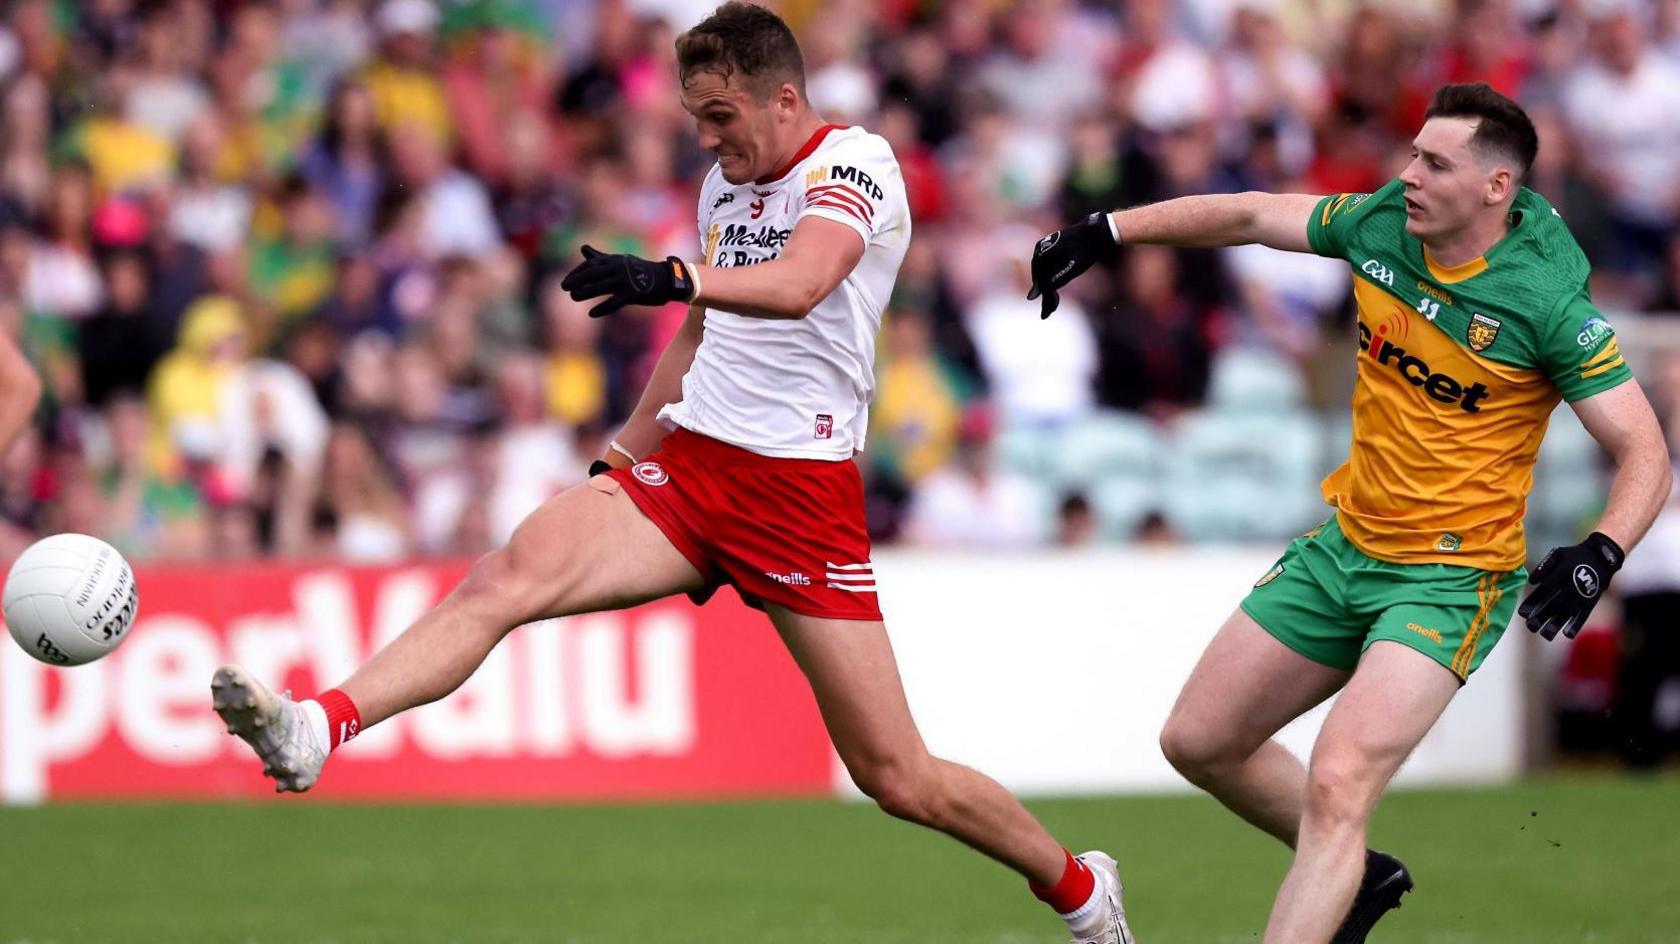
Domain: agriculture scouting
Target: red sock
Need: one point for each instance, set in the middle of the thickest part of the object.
(343, 720)
(1072, 891)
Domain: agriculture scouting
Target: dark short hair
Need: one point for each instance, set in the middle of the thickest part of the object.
(744, 39)
(1502, 127)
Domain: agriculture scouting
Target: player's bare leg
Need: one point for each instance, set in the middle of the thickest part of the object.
(584, 550)
(853, 673)
(1393, 700)
(1244, 689)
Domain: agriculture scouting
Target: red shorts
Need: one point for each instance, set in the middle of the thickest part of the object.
(785, 531)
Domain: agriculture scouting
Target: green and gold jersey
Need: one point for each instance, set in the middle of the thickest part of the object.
(1459, 370)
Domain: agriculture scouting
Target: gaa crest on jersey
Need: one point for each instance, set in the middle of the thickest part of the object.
(1482, 331)
(1271, 575)
(824, 428)
(650, 473)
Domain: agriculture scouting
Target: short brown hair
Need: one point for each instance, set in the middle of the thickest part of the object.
(743, 38)
(1502, 127)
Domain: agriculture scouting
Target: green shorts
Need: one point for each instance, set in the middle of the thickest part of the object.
(1328, 600)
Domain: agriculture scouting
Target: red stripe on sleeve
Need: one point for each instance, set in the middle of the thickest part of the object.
(848, 210)
(843, 192)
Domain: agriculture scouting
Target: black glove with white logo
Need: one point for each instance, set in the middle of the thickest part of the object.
(1060, 257)
(628, 280)
(1568, 583)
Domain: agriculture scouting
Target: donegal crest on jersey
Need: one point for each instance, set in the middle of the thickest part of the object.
(1483, 331)
(1459, 369)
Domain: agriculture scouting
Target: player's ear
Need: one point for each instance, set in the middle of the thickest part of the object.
(787, 99)
(1500, 185)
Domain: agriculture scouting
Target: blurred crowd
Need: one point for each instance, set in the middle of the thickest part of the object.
(289, 269)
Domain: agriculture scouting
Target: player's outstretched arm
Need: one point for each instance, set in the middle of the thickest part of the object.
(818, 256)
(1570, 580)
(642, 432)
(20, 391)
(1278, 220)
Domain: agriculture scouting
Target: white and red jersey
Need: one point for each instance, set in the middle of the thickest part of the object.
(798, 388)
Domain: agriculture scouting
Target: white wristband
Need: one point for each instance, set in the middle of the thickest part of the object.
(693, 276)
(615, 447)
(1113, 228)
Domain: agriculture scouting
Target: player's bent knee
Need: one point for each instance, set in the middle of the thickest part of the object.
(1183, 750)
(498, 586)
(1195, 755)
(901, 790)
(1340, 789)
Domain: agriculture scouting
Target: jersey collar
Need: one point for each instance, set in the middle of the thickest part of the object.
(804, 152)
(1458, 273)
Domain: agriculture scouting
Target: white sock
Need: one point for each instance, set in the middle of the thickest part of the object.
(1089, 915)
(316, 716)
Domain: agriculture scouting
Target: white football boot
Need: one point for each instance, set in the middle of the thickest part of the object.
(1113, 929)
(274, 726)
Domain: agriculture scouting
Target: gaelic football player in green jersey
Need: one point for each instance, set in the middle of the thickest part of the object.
(1474, 321)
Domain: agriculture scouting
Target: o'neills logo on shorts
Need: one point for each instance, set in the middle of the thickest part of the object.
(650, 473)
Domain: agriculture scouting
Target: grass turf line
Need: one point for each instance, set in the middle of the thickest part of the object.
(1577, 859)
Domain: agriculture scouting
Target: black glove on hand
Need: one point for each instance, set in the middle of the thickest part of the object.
(627, 280)
(1060, 257)
(1567, 584)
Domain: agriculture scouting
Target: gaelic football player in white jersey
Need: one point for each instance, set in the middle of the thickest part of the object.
(737, 467)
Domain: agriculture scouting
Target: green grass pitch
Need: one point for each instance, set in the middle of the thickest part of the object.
(1572, 859)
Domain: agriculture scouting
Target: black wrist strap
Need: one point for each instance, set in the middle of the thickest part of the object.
(1608, 551)
(1102, 221)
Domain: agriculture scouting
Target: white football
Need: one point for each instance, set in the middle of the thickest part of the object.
(69, 599)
